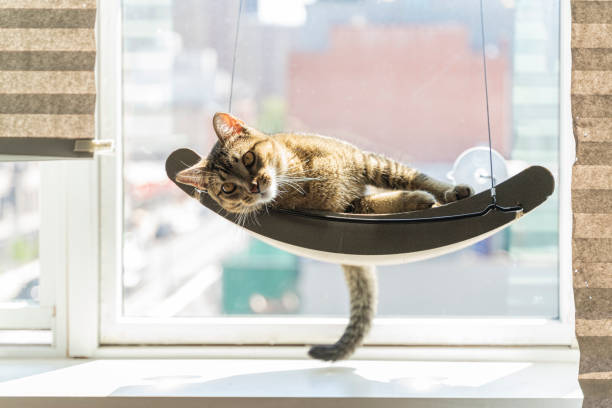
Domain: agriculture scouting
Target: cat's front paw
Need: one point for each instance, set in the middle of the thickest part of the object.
(416, 200)
(458, 192)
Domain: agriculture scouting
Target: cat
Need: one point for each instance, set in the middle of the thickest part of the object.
(248, 171)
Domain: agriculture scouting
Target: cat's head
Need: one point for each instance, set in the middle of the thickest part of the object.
(241, 170)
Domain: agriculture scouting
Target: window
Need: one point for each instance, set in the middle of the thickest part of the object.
(26, 288)
(366, 71)
(19, 225)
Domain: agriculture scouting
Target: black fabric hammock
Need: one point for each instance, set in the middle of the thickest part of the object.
(387, 238)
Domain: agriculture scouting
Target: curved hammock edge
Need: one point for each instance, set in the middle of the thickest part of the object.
(363, 240)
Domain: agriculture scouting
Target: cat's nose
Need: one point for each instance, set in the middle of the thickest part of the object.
(254, 187)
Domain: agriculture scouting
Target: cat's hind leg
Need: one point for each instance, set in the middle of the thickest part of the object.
(393, 201)
(386, 173)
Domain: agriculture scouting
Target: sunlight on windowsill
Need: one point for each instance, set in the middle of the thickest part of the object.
(291, 379)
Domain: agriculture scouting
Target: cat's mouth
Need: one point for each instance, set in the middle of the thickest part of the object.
(259, 200)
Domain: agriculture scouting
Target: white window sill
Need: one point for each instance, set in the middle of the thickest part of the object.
(255, 383)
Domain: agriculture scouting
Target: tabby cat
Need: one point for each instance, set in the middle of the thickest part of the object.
(248, 171)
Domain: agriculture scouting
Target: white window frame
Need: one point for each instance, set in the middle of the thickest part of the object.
(51, 315)
(94, 293)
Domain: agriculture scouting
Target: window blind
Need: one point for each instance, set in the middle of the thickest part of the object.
(47, 86)
(592, 196)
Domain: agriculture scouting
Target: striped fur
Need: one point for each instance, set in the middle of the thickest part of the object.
(361, 281)
(380, 171)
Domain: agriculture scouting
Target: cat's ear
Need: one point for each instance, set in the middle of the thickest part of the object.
(227, 126)
(193, 176)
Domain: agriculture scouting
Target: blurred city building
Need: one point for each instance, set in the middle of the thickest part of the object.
(418, 90)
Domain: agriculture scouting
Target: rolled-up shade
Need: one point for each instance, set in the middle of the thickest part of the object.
(47, 86)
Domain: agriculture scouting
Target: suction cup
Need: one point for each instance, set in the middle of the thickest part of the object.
(472, 168)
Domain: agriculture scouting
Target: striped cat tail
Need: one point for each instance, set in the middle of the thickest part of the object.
(361, 281)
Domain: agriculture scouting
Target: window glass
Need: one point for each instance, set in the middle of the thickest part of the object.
(403, 78)
(19, 227)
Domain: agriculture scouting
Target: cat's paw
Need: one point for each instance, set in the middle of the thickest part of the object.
(417, 200)
(458, 192)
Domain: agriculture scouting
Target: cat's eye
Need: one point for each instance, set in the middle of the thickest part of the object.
(228, 187)
(248, 159)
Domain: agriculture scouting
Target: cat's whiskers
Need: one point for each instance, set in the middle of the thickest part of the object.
(255, 219)
(282, 191)
(223, 212)
(298, 176)
(240, 218)
(184, 164)
(247, 214)
(292, 184)
(294, 180)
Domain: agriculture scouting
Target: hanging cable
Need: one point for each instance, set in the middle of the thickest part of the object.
(484, 66)
(231, 94)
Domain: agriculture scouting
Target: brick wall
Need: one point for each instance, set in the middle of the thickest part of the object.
(592, 196)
